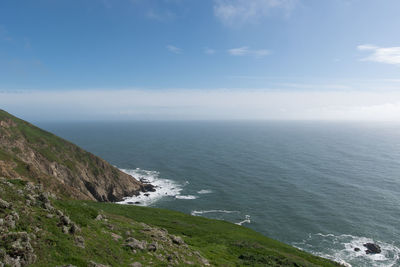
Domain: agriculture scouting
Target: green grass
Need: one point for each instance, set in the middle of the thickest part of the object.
(222, 243)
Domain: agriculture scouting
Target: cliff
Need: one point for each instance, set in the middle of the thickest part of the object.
(62, 167)
(48, 216)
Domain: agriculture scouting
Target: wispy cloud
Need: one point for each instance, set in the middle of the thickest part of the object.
(209, 51)
(388, 55)
(232, 12)
(4, 34)
(202, 104)
(174, 49)
(162, 16)
(245, 50)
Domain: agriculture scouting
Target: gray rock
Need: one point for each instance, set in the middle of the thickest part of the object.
(177, 240)
(59, 213)
(116, 237)
(133, 243)
(65, 220)
(101, 217)
(65, 229)
(136, 264)
(20, 251)
(80, 241)
(152, 247)
(48, 206)
(15, 215)
(9, 221)
(94, 264)
(74, 229)
(44, 198)
(30, 197)
(372, 248)
(4, 204)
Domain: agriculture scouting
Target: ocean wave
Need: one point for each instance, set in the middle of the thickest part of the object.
(246, 220)
(340, 248)
(185, 197)
(199, 212)
(164, 187)
(204, 191)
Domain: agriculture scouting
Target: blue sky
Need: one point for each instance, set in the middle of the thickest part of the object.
(224, 49)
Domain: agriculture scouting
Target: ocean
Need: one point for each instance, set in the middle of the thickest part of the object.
(324, 187)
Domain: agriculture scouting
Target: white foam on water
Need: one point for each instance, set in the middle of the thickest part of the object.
(340, 248)
(185, 197)
(199, 212)
(204, 191)
(246, 220)
(163, 187)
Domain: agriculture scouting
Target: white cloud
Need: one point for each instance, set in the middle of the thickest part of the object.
(202, 104)
(232, 12)
(209, 51)
(174, 49)
(245, 50)
(162, 16)
(388, 55)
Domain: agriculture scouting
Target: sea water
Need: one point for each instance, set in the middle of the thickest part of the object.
(324, 187)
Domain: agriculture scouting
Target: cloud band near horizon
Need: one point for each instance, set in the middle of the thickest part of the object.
(202, 105)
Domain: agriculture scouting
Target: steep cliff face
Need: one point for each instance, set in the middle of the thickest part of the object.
(62, 167)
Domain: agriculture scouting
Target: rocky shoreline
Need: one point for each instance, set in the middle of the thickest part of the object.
(17, 248)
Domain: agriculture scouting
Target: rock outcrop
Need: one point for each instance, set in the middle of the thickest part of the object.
(372, 248)
(62, 167)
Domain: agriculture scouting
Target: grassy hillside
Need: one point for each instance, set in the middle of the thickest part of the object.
(34, 154)
(36, 229)
(48, 218)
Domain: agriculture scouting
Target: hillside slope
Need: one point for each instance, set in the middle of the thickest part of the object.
(48, 216)
(37, 229)
(36, 155)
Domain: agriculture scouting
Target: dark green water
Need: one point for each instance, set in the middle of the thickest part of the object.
(323, 187)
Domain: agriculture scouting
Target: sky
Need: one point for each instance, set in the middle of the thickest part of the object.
(200, 60)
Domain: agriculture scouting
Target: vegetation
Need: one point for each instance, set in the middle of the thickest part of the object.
(103, 240)
(43, 226)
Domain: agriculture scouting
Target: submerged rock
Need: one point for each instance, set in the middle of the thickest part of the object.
(357, 249)
(372, 248)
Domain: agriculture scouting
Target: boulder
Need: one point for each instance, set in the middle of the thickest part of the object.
(115, 236)
(80, 241)
(4, 204)
(177, 240)
(9, 221)
(65, 220)
(148, 188)
(372, 248)
(94, 264)
(357, 249)
(74, 229)
(133, 244)
(20, 251)
(152, 247)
